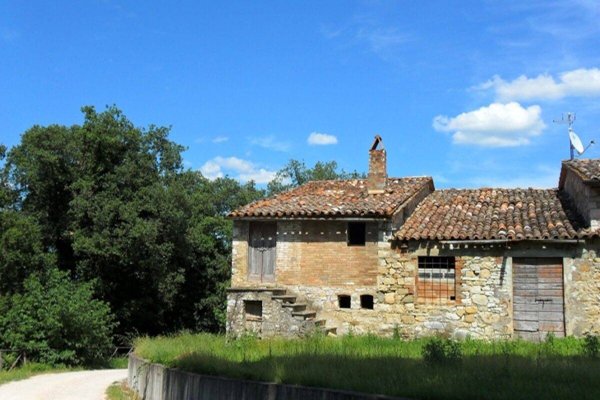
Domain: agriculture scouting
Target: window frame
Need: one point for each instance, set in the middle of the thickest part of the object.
(438, 296)
(362, 302)
(250, 306)
(339, 301)
(349, 235)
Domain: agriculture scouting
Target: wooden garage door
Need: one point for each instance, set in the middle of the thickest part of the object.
(538, 305)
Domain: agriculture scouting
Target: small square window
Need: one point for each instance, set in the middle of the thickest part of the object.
(253, 310)
(357, 233)
(366, 301)
(437, 279)
(344, 301)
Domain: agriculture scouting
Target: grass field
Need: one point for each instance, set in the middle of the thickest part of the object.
(421, 369)
(27, 371)
(120, 391)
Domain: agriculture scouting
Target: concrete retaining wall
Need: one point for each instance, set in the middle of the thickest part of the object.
(156, 382)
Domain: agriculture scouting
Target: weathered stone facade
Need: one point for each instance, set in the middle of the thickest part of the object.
(275, 319)
(584, 197)
(483, 263)
(582, 290)
(483, 307)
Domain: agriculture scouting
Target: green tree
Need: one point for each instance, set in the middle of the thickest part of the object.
(296, 173)
(115, 206)
(56, 321)
(7, 193)
(21, 250)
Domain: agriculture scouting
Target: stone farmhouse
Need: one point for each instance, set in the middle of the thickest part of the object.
(393, 255)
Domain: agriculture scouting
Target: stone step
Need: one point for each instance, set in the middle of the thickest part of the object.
(331, 331)
(320, 323)
(295, 306)
(286, 298)
(304, 314)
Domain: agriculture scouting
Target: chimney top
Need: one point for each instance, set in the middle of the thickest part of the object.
(378, 140)
(377, 178)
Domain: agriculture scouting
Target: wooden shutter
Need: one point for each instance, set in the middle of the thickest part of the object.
(261, 253)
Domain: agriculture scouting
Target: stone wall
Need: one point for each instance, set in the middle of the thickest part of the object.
(483, 309)
(314, 263)
(276, 320)
(583, 197)
(582, 291)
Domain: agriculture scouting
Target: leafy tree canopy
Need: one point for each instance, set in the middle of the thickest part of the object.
(56, 320)
(296, 173)
(114, 206)
(110, 205)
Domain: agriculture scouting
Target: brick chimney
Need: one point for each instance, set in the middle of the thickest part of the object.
(377, 167)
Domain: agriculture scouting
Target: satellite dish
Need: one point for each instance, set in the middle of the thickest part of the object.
(576, 142)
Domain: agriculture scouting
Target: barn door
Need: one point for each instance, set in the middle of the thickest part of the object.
(261, 255)
(538, 305)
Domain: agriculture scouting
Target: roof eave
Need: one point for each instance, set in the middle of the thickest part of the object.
(315, 218)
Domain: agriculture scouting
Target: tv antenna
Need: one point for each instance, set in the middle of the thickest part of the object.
(575, 144)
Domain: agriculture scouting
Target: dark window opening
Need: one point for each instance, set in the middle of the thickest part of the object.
(253, 310)
(344, 301)
(436, 279)
(366, 301)
(357, 233)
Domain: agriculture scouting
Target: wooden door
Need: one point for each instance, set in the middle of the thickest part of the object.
(262, 245)
(538, 302)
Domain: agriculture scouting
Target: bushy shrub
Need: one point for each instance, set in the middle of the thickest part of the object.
(56, 320)
(591, 346)
(441, 351)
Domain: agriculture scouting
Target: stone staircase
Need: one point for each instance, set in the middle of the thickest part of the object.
(302, 313)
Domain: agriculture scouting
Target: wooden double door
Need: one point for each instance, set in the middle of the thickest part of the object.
(261, 251)
(538, 298)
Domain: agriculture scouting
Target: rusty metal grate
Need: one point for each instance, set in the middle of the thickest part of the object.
(436, 280)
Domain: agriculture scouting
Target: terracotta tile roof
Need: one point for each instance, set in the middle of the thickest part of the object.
(483, 214)
(336, 198)
(587, 169)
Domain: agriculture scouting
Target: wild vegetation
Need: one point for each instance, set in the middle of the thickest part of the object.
(142, 244)
(27, 371)
(120, 391)
(432, 368)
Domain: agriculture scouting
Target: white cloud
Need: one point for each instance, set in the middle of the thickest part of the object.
(260, 175)
(270, 142)
(578, 82)
(220, 139)
(321, 139)
(497, 125)
(211, 169)
(238, 168)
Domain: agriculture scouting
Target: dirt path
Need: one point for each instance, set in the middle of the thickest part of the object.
(81, 385)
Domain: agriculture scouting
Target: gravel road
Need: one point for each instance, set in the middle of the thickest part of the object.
(81, 385)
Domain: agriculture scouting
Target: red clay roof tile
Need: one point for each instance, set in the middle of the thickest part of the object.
(587, 169)
(484, 214)
(336, 198)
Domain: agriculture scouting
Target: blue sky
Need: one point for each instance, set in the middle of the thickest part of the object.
(463, 91)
